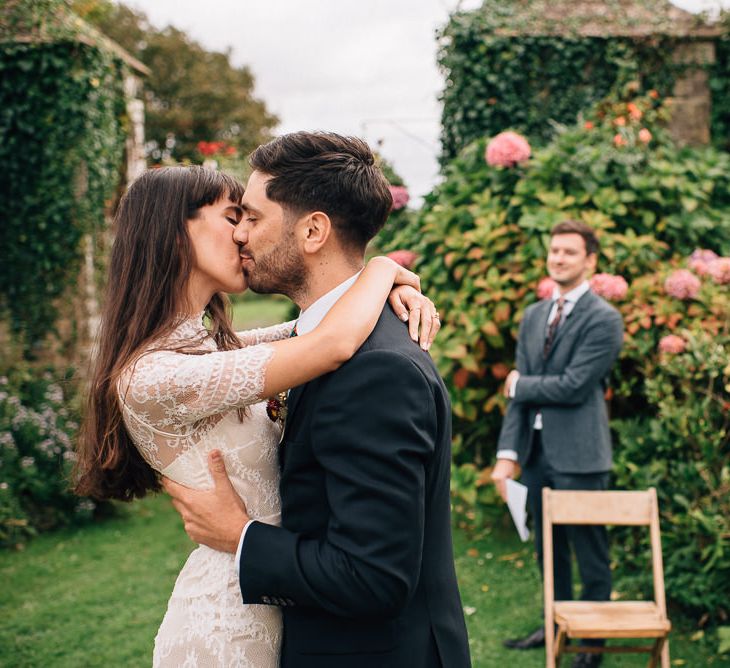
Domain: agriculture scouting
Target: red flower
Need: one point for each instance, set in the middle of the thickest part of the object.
(588, 125)
(400, 197)
(682, 284)
(500, 370)
(206, 148)
(701, 259)
(545, 288)
(719, 270)
(672, 344)
(461, 378)
(634, 111)
(507, 149)
(276, 408)
(404, 258)
(609, 286)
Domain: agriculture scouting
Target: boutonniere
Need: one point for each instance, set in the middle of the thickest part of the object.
(276, 408)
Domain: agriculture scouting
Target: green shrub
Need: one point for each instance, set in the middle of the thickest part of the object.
(506, 65)
(684, 451)
(63, 127)
(720, 88)
(481, 240)
(38, 424)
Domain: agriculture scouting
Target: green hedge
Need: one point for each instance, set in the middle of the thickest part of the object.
(63, 124)
(63, 127)
(481, 240)
(496, 79)
(720, 87)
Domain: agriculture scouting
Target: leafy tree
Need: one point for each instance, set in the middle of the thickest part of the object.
(192, 94)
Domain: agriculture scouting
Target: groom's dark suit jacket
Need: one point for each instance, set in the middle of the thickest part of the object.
(363, 565)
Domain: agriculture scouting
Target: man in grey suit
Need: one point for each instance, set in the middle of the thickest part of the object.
(556, 425)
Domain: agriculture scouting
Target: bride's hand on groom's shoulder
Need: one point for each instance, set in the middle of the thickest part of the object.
(418, 311)
(214, 517)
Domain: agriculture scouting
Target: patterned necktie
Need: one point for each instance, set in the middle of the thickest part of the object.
(553, 328)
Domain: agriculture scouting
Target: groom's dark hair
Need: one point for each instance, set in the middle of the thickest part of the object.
(324, 171)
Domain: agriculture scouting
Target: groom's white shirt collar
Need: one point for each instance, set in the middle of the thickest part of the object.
(310, 317)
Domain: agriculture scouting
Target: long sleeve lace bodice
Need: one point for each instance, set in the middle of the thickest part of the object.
(253, 337)
(178, 407)
(171, 400)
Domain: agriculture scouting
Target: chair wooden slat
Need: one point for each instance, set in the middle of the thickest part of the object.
(624, 508)
(604, 619)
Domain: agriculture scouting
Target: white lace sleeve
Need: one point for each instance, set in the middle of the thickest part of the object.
(253, 337)
(168, 390)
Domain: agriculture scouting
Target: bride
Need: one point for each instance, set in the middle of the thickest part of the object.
(172, 381)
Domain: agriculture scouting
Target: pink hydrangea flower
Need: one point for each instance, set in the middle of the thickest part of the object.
(404, 258)
(545, 288)
(672, 344)
(609, 286)
(507, 149)
(400, 197)
(701, 259)
(719, 269)
(682, 284)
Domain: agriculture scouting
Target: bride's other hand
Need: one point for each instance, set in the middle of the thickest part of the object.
(418, 311)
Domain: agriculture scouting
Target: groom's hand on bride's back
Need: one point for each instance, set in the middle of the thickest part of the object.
(214, 517)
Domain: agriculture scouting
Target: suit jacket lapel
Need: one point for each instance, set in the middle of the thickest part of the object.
(291, 404)
(579, 311)
(295, 395)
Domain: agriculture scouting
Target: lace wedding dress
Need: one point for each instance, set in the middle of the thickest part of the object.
(177, 407)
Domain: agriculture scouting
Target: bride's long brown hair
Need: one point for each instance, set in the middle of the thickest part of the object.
(151, 259)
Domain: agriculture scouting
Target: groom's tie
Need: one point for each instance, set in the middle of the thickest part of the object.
(553, 328)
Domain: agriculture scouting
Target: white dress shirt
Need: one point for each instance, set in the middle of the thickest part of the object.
(570, 299)
(307, 321)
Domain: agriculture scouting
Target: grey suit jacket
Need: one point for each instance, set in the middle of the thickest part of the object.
(567, 388)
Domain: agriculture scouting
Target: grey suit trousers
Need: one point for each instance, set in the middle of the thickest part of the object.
(590, 543)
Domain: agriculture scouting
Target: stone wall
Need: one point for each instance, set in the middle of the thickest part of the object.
(691, 102)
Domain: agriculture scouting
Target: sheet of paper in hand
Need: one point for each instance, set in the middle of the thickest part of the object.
(517, 504)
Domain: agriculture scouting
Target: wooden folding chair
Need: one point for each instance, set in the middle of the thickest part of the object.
(604, 619)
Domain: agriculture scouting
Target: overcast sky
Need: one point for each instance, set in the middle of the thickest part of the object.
(363, 67)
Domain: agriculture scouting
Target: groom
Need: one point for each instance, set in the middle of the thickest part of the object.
(363, 565)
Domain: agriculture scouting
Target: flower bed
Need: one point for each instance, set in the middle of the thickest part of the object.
(662, 214)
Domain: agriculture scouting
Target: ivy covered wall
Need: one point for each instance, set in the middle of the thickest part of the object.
(63, 127)
(517, 65)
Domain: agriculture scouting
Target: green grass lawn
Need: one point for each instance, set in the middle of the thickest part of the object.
(251, 310)
(95, 595)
